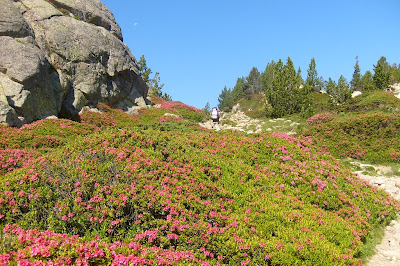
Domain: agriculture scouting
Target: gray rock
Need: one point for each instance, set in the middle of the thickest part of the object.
(93, 11)
(7, 115)
(58, 56)
(27, 82)
(38, 10)
(11, 21)
(94, 66)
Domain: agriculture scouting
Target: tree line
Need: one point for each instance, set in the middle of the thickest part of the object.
(287, 93)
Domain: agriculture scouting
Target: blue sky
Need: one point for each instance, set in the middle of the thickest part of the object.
(198, 47)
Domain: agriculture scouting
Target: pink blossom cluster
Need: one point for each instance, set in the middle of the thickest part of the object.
(320, 118)
(48, 248)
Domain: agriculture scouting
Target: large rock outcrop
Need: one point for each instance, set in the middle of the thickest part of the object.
(57, 56)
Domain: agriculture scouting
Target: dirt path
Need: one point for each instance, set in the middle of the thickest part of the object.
(388, 251)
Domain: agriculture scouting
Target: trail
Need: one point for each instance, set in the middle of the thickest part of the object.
(388, 251)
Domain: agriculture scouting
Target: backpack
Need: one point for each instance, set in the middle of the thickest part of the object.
(214, 114)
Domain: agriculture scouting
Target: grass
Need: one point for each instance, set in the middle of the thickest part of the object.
(373, 239)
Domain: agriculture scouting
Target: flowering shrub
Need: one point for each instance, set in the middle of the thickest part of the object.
(320, 118)
(382, 101)
(131, 194)
(12, 159)
(107, 117)
(184, 111)
(370, 136)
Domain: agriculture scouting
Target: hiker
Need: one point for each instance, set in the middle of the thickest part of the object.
(215, 116)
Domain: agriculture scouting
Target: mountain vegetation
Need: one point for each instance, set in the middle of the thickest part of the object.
(285, 92)
(156, 189)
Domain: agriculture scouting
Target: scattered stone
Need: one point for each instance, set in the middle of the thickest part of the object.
(173, 115)
(355, 94)
(379, 182)
(397, 184)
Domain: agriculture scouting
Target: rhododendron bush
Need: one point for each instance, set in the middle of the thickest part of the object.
(370, 136)
(134, 193)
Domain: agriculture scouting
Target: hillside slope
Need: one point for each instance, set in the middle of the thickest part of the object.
(157, 189)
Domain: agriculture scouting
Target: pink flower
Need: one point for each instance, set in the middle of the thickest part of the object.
(278, 245)
(173, 236)
(115, 222)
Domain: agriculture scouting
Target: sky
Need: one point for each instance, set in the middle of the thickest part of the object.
(199, 47)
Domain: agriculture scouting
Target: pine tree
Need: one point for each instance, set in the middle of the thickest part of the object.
(268, 76)
(312, 75)
(343, 89)
(225, 100)
(299, 77)
(144, 71)
(253, 81)
(330, 86)
(339, 93)
(367, 82)
(166, 97)
(239, 90)
(207, 108)
(156, 86)
(356, 80)
(292, 83)
(381, 76)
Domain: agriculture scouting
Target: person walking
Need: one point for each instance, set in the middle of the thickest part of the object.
(215, 115)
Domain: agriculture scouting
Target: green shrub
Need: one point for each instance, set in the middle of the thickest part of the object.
(372, 101)
(372, 136)
(260, 113)
(321, 102)
(148, 192)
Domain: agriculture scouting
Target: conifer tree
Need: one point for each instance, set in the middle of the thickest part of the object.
(144, 71)
(291, 88)
(356, 80)
(344, 90)
(312, 75)
(381, 76)
(367, 81)
(268, 76)
(156, 86)
(207, 108)
(300, 78)
(225, 100)
(253, 81)
(239, 90)
(330, 86)
(339, 92)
